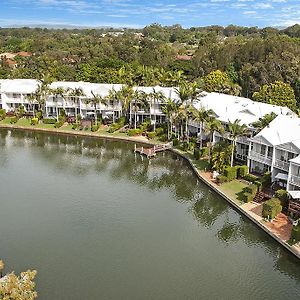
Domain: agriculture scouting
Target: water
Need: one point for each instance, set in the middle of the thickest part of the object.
(99, 222)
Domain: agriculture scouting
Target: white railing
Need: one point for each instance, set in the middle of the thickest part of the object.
(281, 164)
(295, 180)
(260, 158)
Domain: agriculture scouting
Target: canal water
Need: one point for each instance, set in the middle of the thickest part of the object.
(99, 222)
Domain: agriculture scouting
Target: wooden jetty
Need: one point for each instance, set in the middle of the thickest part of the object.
(151, 152)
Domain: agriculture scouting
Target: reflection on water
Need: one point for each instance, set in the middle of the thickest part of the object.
(111, 195)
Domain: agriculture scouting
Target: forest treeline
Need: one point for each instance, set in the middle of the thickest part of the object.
(250, 60)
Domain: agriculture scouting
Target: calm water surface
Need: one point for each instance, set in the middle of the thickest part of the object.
(98, 222)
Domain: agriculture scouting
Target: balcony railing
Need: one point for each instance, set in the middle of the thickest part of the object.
(294, 206)
(281, 164)
(295, 180)
(260, 158)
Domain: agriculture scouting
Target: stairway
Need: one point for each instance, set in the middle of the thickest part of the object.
(259, 197)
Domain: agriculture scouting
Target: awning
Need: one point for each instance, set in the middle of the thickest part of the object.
(294, 194)
(282, 176)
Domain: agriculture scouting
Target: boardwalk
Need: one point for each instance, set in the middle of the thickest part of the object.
(151, 152)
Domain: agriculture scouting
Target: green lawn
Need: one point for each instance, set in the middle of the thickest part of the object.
(234, 190)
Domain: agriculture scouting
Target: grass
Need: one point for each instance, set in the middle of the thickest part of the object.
(234, 190)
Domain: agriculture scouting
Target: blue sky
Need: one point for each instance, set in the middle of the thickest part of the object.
(138, 13)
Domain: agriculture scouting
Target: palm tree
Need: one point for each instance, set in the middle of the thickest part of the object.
(41, 94)
(235, 130)
(140, 100)
(126, 95)
(170, 108)
(31, 98)
(202, 116)
(213, 125)
(97, 99)
(264, 121)
(57, 92)
(113, 97)
(157, 97)
(75, 94)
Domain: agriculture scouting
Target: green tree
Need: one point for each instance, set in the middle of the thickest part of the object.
(264, 121)
(221, 153)
(277, 93)
(235, 130)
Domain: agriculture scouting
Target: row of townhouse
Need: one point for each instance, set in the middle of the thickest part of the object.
(16, 92)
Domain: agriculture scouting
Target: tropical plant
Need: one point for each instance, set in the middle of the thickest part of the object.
(264, 121)
(74, 95)
(235, 130)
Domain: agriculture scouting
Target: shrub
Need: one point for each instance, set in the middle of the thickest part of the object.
(230, 173)
(242, 171)
(13, 120)
(95, 127)
(282, 195)
(248, 197)
(184, 146)
(151, 135)
(159, 131)
(49, 121)
(251, 177)
(39, 115)
(133, 132)
(258, 184)
(204, 151)
(266, 179)
(58, 124)
(34, 121)
(175, 142)
(295, 236)
(197, 153)
(116, 126)
(76, 126)
(251, 189)
(163, 138)
(2, 114)
(271, 208)
(222, 179)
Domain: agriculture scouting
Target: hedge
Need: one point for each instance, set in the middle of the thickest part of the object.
(295, 236)
(251, 178)
(197, 153)
(76, 126)
(95, 127)
(133, 132)
(175, 142)
(242, 171)
(222, 179)
(34, 121)
(2, 114)
(49, 121)
(159, 131)
(266, 179)
(252, 189)
(271, 208)
(282, 195)
(13, 120)
(258, 184)
(248, 197)
(58, 124)
(230, 173)
(151, 135)
(204, 151)
(116, 126)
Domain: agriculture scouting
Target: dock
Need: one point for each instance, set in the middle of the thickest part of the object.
(151, 152)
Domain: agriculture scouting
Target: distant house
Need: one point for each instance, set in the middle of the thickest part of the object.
(23, 54)
(184, 57)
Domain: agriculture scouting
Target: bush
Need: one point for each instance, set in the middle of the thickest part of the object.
(2, 114)
(251, 189)
(116, 126)
(266, 179)
(271, 208)
(248, 197)
(197, 153)
(39, 115)
(204, 151)
(230, 173)
(58, 124)
(13, 120)
(133, 132)
(49, 121)
(251, 178)
(95, 128)
(159, 131)
(222, 179)
(163, 138)
(34, 121)
(282, 195)
(76, 126)
(175, 142)
(151, 135)
(184, 146)
(242, 171)
(295, 236)
(258, 184)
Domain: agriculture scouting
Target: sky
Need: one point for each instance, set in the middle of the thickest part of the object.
(139, 13)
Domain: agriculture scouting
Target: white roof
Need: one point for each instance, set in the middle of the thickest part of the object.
(230, 108)
(22, 86)
(294, 194)
(296, 160)
(281, 176)
(283, 129)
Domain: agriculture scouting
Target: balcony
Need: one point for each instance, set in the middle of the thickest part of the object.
(280, 164)
(295, 180)
(294, 207)
(226, 135)
(260, 158)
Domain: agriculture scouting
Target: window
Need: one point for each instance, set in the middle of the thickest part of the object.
(263, 149)
(270, 151)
